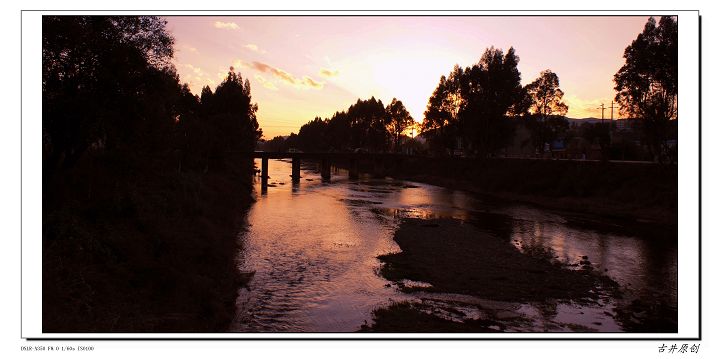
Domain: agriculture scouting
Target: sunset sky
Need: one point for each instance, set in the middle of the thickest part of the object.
(302, 67)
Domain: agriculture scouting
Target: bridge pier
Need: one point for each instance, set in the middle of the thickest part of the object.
(354, 170)
(325, 169)
(380, 164)
(264, 174)
(295, 169)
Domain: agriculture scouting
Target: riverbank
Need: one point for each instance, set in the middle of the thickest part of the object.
(631, 192)
(452, 259)
(131, 246)
(455, 257)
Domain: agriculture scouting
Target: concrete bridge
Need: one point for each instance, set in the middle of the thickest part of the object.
(326, 159)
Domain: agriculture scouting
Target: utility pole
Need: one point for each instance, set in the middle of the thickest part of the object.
(612, 107)
(602, 118)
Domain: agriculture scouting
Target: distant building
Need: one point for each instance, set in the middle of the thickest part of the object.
(626, 124)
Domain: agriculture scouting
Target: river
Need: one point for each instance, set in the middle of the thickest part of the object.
(313, 249)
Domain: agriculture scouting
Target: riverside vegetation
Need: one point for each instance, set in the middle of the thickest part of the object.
(143, 190)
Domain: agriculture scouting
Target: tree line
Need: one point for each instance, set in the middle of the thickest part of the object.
(478, 108)
(143, 182)
(471, 106)
(368, 125)
(109, 87)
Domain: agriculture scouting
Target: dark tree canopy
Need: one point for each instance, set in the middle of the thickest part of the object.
(473, 104)
(105, 80)
(367, 125)
(314, 135)
(546, 96)
(81, 43)
(647, 83)
(142, 180)
(108, 84)
(231, 111)
(276, 144)
(441, 120)
(398, 119)
(547, 120)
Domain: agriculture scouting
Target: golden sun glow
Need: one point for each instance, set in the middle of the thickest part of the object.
(303, 67)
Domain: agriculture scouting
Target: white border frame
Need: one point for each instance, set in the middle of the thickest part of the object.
(688, 182)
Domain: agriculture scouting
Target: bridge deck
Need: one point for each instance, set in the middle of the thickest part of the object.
(325, 155)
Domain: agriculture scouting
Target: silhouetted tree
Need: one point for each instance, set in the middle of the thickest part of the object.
(206, 96)
(339, 133)
(474, 104)
(107, 82)
(368, 127)
(547, 109)
(232, 114)
(546, 96)
(366, 124)
(127, 204)
(490, 89)
(399, 120)
(276, 144)
(192, 137)
(312, 135)
(440, 125)
(647, 83)
(292, 141)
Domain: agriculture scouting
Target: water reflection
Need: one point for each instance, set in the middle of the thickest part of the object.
(313, 245)
(636, 263)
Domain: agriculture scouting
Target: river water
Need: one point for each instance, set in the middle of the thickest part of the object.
(311, 249)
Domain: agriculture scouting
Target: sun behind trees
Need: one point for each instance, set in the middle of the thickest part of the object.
(142, 181)
(470, 107)
(477, 111)
(543, 100)
(474, 111)
(399, 120)
(367, 125)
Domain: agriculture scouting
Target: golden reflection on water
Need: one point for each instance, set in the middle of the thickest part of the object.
(623, 258)
(313, 247)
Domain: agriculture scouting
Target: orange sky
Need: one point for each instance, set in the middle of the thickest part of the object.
(302, 67)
